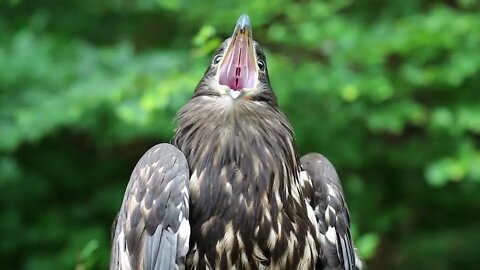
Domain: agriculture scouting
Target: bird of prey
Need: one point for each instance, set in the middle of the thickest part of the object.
(230, 191)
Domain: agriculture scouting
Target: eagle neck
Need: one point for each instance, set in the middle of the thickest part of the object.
(245, 149)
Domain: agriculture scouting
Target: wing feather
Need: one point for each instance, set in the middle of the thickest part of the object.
(337, 249)
(152, 230)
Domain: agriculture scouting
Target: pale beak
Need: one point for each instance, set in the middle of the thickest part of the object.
(238, 69)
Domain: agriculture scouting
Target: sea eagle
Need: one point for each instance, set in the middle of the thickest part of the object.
(230, 191)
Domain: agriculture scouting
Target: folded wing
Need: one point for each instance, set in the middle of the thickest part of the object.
(331, 212)
(152, 230)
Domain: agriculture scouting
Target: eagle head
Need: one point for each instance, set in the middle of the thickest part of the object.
(238, 69)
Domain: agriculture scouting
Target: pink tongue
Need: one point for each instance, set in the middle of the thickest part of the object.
(238, 69)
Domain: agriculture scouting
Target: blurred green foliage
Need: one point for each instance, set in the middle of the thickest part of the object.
(388, 90)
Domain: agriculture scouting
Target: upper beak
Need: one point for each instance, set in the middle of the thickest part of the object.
(238, 69)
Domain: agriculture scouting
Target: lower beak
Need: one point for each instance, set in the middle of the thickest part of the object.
(238, 69)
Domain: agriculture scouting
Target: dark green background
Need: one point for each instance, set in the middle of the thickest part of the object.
(388, 90)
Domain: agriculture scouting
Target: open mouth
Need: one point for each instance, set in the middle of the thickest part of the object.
(238, 69)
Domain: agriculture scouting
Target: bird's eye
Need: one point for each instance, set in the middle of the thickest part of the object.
(261, 65)
(217, 59)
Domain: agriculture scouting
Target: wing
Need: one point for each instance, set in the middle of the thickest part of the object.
(337, 249)
(152, 230)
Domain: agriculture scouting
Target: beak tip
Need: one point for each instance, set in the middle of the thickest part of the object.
(244, 22)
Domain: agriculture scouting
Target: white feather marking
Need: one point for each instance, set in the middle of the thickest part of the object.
(331, 235)
(304, 178)
(272, 239)
(195, 183)
(226, 243)
(268, 216)
(228, 188)
(249, 207)
(207, 262)
(124, 261)
(257, 253)
(167, 187)
(310, 253)
(292, 242)
(279, 200)
(330, 215)
(144, 172)
(241, 199)
(184, 236)
(195, 255)
(311, 216)
(205, 228)
(331, 191)
(280, 222)
(243, 256)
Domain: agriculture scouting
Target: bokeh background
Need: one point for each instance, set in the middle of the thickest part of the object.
(388, 90)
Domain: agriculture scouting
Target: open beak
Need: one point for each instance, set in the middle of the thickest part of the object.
(238, 69)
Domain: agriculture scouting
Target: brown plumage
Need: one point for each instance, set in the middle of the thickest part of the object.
(249, 201)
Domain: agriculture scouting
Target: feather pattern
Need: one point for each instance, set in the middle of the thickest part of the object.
(247, 210)
(322, 184)
(152, 229)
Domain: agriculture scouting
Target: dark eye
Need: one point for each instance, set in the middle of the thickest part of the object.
(217, 59)
(261, 65)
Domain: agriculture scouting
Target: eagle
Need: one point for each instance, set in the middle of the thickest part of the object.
(230, 191)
